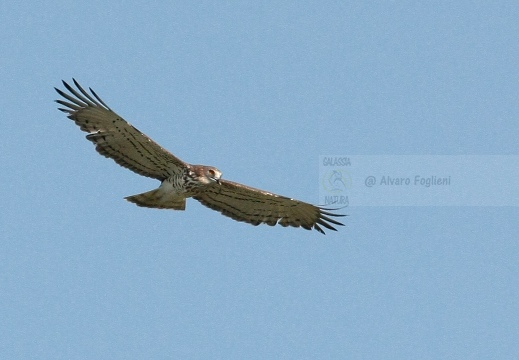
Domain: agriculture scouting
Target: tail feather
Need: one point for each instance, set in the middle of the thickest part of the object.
(158, 199)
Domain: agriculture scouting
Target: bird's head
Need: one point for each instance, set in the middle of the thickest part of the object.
(207, 174)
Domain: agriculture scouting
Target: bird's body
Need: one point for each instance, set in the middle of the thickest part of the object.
(174, 190)
(117, 139)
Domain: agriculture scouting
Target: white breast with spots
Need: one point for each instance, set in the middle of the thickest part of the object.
(174, 184)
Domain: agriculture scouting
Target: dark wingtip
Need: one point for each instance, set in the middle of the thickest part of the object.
(326, 220)
(318, 228)
(60, 92)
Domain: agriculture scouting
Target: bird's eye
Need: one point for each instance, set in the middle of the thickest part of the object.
(211, 172)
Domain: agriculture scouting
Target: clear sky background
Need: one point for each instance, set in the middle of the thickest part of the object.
(260, 90)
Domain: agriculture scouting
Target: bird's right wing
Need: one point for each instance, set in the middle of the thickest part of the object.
(115, 138)
(255, 206)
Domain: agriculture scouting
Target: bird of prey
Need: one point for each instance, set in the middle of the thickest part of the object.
(117, 139)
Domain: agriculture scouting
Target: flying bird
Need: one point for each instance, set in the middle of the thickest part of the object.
(117, 139)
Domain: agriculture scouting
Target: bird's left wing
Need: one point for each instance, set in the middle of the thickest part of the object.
(116, 138)
(255, 206)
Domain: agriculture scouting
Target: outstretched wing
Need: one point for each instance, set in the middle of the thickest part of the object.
(255, 206)
(116, 138)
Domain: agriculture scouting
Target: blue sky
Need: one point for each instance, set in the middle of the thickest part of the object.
(260, 90)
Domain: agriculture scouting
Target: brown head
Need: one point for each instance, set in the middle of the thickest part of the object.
(205, 175)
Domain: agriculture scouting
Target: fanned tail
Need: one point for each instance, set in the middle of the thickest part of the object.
(158, 199)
